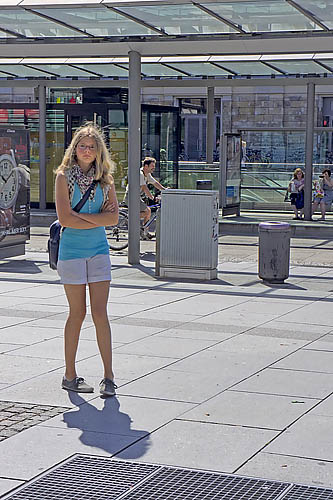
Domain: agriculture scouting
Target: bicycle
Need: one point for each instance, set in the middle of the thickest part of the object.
(118, 235)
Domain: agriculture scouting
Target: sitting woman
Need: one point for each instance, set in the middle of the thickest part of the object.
(296, 190)
(324, 195)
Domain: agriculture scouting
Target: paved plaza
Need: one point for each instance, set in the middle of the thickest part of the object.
(228, 375)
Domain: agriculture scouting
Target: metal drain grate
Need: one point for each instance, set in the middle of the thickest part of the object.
(86, 478)
(183, 484)
(298, 492)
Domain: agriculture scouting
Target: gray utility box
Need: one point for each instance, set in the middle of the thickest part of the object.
(187, 245)
(274, 251)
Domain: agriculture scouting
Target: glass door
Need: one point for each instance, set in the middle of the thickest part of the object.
(79, 114)
(161, 140)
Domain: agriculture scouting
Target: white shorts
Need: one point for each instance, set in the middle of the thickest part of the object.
(82, 271)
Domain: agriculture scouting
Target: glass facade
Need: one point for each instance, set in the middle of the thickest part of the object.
(176, 137)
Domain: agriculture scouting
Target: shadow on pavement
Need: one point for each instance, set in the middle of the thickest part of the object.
(108, 429)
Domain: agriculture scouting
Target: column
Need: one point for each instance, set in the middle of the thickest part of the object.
(42, 146)
(309, 150)
(134, 156)
(210, 125)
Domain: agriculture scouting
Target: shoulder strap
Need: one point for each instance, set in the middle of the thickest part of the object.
(84, 198)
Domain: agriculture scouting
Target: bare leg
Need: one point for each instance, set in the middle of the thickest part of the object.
(76, 296)
(145, 215)
(323, 209)
(295, 210)
(314, 207)
(99, 293)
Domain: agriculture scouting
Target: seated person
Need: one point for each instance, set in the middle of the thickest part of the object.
(146, 178)
(323, 196)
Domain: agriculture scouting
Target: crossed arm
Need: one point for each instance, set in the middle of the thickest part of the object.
(68, 218)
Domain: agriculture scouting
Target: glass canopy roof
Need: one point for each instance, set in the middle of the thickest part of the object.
(164, 23)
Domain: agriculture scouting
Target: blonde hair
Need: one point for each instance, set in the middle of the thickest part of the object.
(103, 163)
(297, 171)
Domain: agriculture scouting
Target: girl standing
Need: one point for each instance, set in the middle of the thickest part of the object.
(296, 190)
(84, 251)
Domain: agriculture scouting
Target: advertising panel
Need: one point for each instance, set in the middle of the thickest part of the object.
(14, 186)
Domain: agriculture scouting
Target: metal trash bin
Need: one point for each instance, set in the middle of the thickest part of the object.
(274, 251)
(205, 185)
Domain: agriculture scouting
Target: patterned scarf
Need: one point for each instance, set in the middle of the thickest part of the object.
(84, 180)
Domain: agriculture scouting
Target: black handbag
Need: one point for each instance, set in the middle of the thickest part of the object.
(55, 230)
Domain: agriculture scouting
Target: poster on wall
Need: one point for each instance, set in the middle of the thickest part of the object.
(14, 186)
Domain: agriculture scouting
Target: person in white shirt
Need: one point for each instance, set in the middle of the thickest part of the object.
(146, 178)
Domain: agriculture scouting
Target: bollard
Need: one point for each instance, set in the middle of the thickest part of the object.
(274, 251)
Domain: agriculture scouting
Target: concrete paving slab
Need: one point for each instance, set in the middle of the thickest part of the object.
(15, 369)
(182, 444)
(119, 415)
(125, 309)
(194, 334)
(289, 383)
(146, 322)
(118, 291)
(46, 389)
(283, 329)
(7, 285)
(178, 386)
(151, 298)
(12, 320)
(315, 314)
(57, 321)
(237, 317)
(324, 344)
(198, 326)
(123, 334)
(312, 361)
(237, 366)
(27, 335)
(252, 344)
(7, 301)
(60, 300)
(126, 366)
(54, 349)
(250, 409)
(168, 318)
(39, 291)
(201, 305)
(164, 346)
(310, 437)
(301, 271)
(324, 408)
(35, 450)
(36, 309)
(6, 485)
(289, 469)
(9, 347)
(277, 307)
(323, 285)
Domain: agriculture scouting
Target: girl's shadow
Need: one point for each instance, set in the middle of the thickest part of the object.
(107, 429)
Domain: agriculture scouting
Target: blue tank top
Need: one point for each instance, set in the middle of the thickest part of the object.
(84, 243)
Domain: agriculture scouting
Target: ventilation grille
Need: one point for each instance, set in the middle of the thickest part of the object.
(86, 477)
